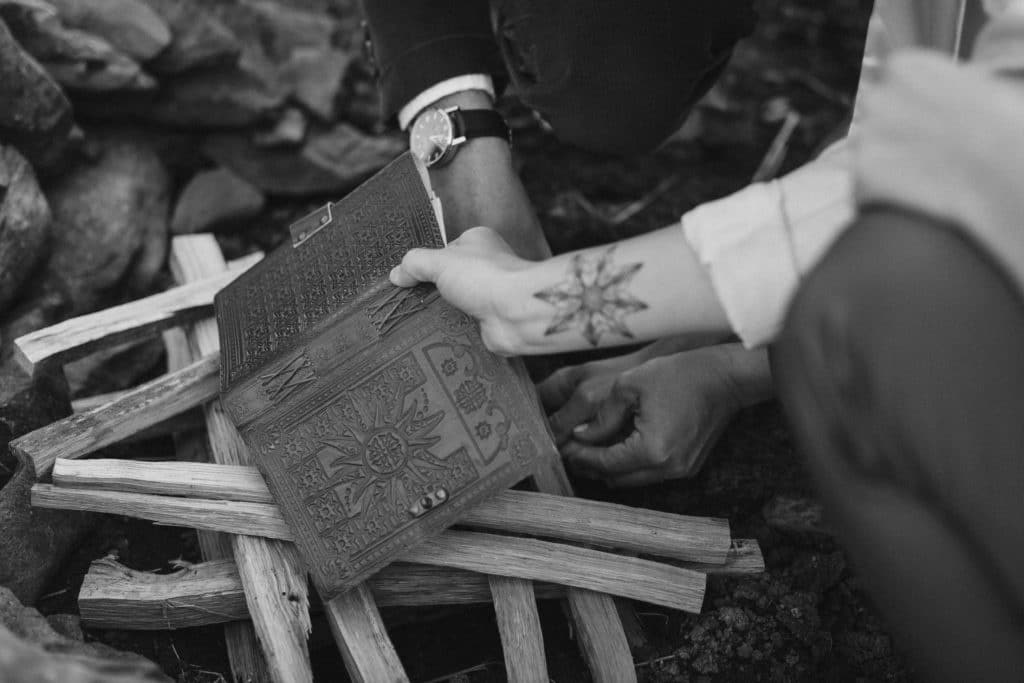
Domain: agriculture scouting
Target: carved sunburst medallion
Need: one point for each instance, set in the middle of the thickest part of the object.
(593, 298)
(386, 460)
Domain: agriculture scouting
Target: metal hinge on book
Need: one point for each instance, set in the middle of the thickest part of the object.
(307, 226)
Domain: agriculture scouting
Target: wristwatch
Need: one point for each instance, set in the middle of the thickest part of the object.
(437, 133)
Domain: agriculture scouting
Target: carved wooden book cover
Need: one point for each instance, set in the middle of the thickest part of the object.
(375, 413)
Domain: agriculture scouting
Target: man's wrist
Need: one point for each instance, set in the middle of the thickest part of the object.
(746, 373)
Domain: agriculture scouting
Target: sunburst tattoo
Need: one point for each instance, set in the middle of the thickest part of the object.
(593, 298)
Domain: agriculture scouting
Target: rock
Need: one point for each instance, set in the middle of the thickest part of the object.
(329, 163)
(114, 369)
(43, 308)
(274, 29)
(288, 131)
(291, 47)
(112, 222)
(220, 98)
(67, 625)
(76, 59)
(129, 25)
(27, 403)
(34, 541)
(199, 39)
(24, 223)
(35, 116)
(31, 651)
(314, 77)
(350, 154)
(226, 97)
(215, 198)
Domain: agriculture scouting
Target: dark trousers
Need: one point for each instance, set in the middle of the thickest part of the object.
(901, 369)
(615, 76)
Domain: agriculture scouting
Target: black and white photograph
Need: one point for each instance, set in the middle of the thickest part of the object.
(538, 341)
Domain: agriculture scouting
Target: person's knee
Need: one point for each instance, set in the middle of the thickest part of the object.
(885, 267)
(599, 91)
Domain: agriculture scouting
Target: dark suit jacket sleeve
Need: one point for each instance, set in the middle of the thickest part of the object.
(418, 43)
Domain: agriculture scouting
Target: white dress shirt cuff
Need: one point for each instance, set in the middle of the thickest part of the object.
(757, 243)
(447, 87)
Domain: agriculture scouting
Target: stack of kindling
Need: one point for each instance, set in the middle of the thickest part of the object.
(512, 549)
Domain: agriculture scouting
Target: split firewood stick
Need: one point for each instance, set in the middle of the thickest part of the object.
(139, 409)
(515, 609)
(209, 593)
(113, 596)
(271, 572)
(77, 337)
(245, 655)
(569, 565)
(486, 553)
(86, 403)
(646, 532)
(600, 634)
(365, 645)
(182, 422)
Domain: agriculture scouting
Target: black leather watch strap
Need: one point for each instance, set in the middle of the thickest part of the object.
(480, 123)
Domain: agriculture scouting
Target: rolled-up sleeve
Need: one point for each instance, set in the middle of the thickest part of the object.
(757, 243)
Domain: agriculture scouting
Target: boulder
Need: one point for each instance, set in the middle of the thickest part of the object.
(331, 162)
(198, 38)
(350, 154)
(111, 222)
(215, 198)
(115, 369)
(24, 223)
(32, 651)
(35, 115)
(129, 25)
(274, 29)
(76, 59)
(288, 131)
(314, 77)
(34, 542)
(219, 98)
(27, 403)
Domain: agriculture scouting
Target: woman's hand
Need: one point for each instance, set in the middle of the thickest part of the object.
(476, 274)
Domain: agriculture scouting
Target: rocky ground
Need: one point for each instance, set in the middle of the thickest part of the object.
(180, 125)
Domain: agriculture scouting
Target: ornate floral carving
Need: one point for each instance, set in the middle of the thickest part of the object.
(470, 396)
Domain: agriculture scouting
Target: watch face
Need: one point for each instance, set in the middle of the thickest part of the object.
(431, 136)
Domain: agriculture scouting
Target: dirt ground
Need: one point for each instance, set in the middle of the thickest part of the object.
(805, 619)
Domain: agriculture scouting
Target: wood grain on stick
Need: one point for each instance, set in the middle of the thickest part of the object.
(113, 596)
(647, 532)
(522, 641)
(569, 565)
(525, 558)
(77, 337)
(602, 640)
(135, 411)
(275, 583)
(245, 655)
(365, 645)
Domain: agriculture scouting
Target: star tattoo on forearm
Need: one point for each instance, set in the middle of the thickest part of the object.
(593, 298)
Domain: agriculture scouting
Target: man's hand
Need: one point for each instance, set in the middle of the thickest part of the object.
(657, 420)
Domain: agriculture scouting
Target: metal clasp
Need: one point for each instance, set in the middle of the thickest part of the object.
(307, 226)
(428, 501)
